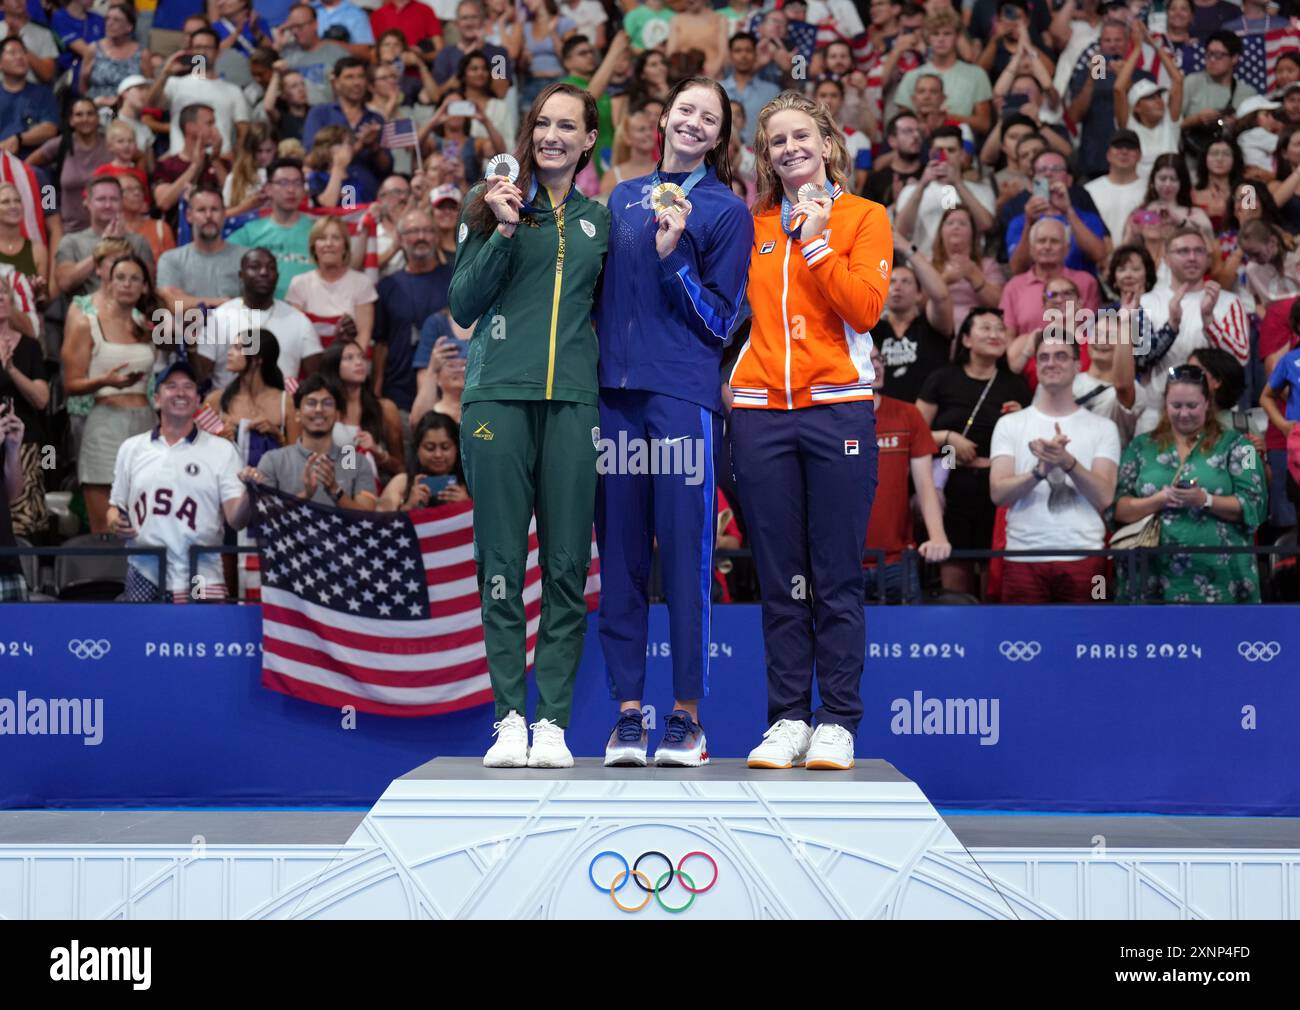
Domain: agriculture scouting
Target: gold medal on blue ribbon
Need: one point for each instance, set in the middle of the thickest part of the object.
(664, 197)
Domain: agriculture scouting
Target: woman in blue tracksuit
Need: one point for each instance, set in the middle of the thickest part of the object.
(673, 286)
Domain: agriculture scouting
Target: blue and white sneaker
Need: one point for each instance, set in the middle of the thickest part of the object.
(628, 742)
(683, 745)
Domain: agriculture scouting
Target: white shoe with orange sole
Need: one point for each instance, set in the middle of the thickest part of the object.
(831, 748)
(784, 745)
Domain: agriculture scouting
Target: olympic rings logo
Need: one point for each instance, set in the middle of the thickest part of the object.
(1259, 652)
(634, 874)
(1020, 651)
(89, 648)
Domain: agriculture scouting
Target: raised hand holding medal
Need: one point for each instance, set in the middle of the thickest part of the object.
(502, 165)
(811, 212)
(503, 197)
(668, 196)
(670, 217)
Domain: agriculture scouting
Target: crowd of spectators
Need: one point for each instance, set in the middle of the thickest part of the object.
(1093, 318)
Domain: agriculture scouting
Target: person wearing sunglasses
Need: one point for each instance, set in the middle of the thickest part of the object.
(1205, 487)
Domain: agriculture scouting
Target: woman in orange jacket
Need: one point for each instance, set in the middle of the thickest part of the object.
(803, 426)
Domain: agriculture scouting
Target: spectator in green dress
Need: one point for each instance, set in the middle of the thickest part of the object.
(1218, 498)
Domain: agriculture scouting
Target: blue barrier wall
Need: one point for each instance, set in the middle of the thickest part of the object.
(1165, 709)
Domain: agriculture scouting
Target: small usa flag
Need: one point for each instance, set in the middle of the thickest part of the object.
(399, 133)
(210, 421)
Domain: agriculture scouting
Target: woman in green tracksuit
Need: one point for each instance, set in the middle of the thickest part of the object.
(527, 264)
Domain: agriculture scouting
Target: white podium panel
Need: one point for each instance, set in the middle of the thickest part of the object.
(454, 840)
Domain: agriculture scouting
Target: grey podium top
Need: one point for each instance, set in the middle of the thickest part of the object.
(593, 769)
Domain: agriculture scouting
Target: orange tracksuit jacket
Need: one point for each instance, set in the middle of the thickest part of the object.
(813, 304)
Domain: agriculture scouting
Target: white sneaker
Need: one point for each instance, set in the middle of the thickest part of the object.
(784, 745)
(548, 750)
(511, 748)
(831, 747)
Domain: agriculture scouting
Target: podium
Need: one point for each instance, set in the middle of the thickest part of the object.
(452, 839)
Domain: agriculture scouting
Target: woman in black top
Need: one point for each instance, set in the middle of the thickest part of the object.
(962, 402)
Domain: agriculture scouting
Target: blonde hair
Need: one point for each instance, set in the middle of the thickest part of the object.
(292, 148)
(243, 173)
(941, 19)
(837, 165)
(318, 231)
(119, 128)
(110, 247)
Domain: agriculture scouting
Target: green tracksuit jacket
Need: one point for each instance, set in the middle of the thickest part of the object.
(534, 339)
(529, 427)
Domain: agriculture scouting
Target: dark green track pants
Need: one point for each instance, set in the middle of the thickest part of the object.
(526, 457)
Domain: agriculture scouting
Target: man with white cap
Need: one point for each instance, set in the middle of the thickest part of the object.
(1145, 110)
(1258, 138)
(1149, 109)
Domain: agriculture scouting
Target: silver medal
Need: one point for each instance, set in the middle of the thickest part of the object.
(502, 164)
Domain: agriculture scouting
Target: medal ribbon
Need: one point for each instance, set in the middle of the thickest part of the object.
(786, 207)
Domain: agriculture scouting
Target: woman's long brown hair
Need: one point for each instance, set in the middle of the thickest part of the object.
(479, 215)
(940, 257)
(148, 304)
(718, 157)
(1163, 436)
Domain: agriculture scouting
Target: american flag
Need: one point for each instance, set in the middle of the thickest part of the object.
(16, 171)
(872, 63)
(24, 295)
(398, 133)
(1231, 331)
(1261, 49)
(379, 610)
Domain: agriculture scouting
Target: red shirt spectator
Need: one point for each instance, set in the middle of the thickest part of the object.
(901, 436)
(729, 537)
(410, 17)
(1275, 339)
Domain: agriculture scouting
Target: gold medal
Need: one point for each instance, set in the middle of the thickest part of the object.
(502, 164)
(664, 196)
